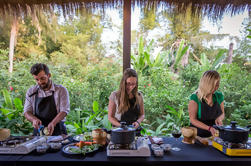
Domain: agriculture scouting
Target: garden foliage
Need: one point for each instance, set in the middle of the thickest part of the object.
(76, 57)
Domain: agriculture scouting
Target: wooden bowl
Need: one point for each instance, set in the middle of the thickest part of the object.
(99, 136)
(4, 134)
(188, 132)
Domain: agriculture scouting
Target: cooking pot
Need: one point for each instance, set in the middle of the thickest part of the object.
(123, 134)
(233, 133)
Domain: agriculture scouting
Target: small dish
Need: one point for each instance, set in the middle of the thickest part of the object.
(155, 146)
(42, 148)
(55, 145)
(159, 152)
(166, 147)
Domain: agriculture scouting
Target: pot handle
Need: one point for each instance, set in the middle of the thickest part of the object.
(233, 124)
(217, 127)
(107, 131)
(249, 126)
(123, 125)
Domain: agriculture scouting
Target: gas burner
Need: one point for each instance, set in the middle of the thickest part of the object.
(13, 141)
(139, 148)
(232, 149)
(20, 145)
(232, 145)
(131, 146)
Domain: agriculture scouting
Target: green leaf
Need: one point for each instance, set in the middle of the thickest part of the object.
(95, 106)
(180, 53)
(218, 59)
(5, 111)
(18, 104)
(84, 126)
(76, 125)
(7, 99)
(106, 123)
(172, 110)
(158, 130)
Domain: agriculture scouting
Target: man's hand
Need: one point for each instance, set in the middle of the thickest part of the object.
(51, 127)
(36, 123)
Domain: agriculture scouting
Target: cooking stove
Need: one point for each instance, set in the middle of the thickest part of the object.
(139, 148)
(232, 149)
(20, 144)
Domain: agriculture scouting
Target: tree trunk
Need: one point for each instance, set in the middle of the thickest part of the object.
(13, 34)
(230, 53)
(184, 60)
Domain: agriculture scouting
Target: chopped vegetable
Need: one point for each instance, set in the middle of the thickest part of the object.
(80, 144)
(85, 149)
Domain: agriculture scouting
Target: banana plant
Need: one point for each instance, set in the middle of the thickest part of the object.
(139, 61)
(178, 54)
(214, 65)
(143, 61)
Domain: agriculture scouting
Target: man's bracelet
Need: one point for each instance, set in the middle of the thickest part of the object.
(138, 122)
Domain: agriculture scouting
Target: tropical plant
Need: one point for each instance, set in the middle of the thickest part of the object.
(177, 54)
(80, 121)
(11, 115)
(241, 115)
(179, 118)
(144, 60)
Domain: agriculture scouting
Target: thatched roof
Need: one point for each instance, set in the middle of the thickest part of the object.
(213, 8)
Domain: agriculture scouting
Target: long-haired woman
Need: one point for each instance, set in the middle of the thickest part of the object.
(206, 105)
(126, 104)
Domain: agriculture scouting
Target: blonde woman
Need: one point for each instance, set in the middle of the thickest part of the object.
(206, 105)
(126, 104)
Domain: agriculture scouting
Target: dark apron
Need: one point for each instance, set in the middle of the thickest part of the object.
(208, 117)
(132, 115)
(45, 110)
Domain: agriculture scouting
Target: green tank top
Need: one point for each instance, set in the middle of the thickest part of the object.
(217, 96)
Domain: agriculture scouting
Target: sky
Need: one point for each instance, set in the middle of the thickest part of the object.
(231, 25)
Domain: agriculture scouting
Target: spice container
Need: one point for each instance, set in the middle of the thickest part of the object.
(158, 152)
(166, 147)
(55, 146)
(42, 148)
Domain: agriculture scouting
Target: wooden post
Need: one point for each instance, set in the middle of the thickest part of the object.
(127, 34)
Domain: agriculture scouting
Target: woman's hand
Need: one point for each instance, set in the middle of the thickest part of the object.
(213, 131)
(135, 124)
(219, 120)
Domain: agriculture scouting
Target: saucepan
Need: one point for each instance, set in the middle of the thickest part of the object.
(123, 134)
(232, 133)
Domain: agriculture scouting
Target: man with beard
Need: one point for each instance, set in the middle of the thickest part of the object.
(46, 103)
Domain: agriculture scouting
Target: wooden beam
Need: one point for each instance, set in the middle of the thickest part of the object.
(127, 34)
